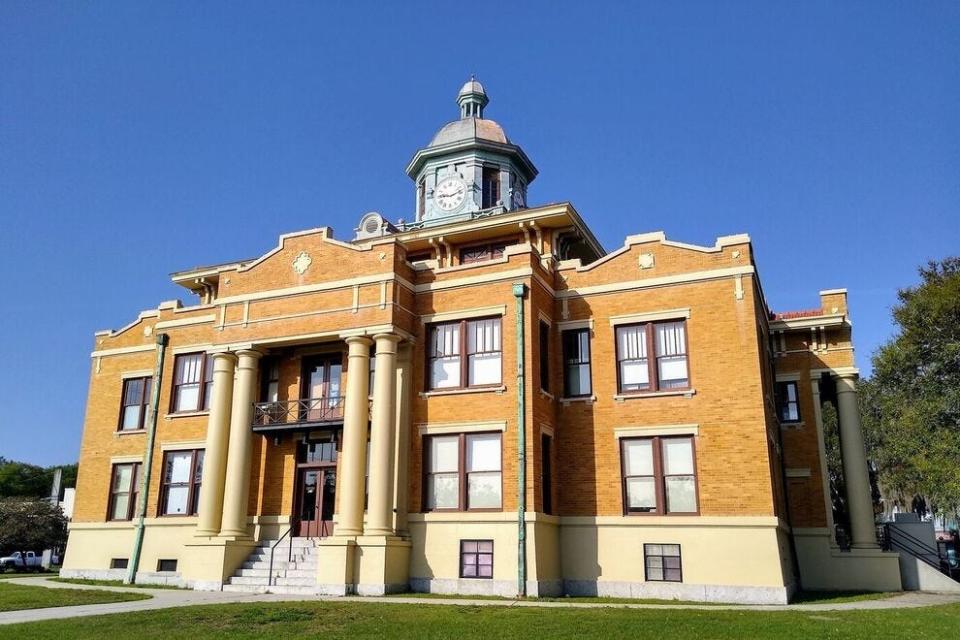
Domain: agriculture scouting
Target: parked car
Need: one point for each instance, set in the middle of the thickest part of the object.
(19, 562)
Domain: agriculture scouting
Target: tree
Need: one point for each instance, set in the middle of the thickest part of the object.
(22, 479)
(30, 525)
(911, 404)
(31, 481)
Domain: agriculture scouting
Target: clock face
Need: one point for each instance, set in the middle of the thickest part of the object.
(518, 199)
(450, 193)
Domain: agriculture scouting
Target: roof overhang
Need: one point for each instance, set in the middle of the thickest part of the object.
(826, 320)
(421, 157)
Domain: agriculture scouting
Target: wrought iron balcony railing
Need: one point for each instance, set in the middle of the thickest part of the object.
(290, 413)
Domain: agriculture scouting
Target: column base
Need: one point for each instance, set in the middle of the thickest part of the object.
(336, 564)
(209, 562)
(384, 565)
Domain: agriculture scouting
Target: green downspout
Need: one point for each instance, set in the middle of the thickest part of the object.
(162, 340)
(519, 289)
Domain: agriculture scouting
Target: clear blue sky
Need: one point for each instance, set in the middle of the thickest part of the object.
(137, 139)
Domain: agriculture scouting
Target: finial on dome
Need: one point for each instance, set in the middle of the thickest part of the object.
(472, 99)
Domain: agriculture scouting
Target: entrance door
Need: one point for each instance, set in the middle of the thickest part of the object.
(316, 491)
(321, 388)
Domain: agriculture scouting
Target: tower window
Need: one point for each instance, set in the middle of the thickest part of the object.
(491, 187)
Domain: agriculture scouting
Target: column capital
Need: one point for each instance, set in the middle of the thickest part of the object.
(358, 340)
(846, 382)
(387, 342)
(224, 356)
(249, 353)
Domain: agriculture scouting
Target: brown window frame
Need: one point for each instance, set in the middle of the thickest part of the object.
(567, 362)
(663, 563)
(463, 354)
(193, 484)
(134, 492)
(483, 252)
(205, 381)
(783, 401)
(546, 473)
(476, 564)
(119, 563)
(543, 335)
(463, 476)
(653, 370)
(659, 477)
(144, 403)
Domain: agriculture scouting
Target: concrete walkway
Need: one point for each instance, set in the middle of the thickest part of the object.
(168, 598)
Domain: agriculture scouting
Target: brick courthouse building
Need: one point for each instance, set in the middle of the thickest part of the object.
(479, 401)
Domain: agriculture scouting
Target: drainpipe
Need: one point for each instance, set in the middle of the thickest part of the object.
(519, 289)
(162, 340)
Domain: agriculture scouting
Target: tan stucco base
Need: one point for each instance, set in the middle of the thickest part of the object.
(336, 565)
(92, 546)
(208, 562)
(826, 568)
(725, 559)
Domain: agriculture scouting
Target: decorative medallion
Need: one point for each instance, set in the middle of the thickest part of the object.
(302, 262)
(646, 261)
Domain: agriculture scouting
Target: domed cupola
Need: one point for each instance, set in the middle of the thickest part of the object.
(470, 166)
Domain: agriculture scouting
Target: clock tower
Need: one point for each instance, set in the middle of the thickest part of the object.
(470, 168)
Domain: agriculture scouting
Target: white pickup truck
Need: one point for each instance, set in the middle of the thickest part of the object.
(19, 562)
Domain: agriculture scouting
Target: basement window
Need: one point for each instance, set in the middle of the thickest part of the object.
(476, 559)
(118, 563)
(662, 563)
(166, 565)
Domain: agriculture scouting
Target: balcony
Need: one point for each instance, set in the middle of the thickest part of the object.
(271, 417)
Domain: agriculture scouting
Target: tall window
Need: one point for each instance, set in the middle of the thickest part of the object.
(465, 354)
(124, 490)
(637, 371)
(544, 336)
(546, 472)
(659, 475)
(491, 187)
(180, 489)
(421, 198)
(576, 363)
(135, 400)
(662, 563)
(192, 382)
(270, 380)
(462, 472)
(788, 402)
(482, 253)
(476, 558)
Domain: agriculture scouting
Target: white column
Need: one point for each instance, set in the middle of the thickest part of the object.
(215, 451)
(241, 444)
(402, 457)
(356, 415)
(383, 423)
(855, 474)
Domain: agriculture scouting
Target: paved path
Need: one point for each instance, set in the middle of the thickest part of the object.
(168, 598)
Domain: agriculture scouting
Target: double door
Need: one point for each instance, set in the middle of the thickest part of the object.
(316, 492)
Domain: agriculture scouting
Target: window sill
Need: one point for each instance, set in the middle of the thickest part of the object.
(586, 399)
(547, 394)
(456, 392)
(687, 393)
(129, 432)
(186, 414)
(791, 425)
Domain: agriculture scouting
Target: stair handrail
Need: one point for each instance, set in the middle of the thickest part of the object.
(921, 550)
(273, 548)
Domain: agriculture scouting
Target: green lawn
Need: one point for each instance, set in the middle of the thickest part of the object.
(14, 597)
(331, 620)
(113, 583)
(804, 597)
(14, 574)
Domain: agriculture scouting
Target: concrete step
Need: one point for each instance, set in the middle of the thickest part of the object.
(278, 565)
(296, 582)
(288, 589)
(287, 573)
